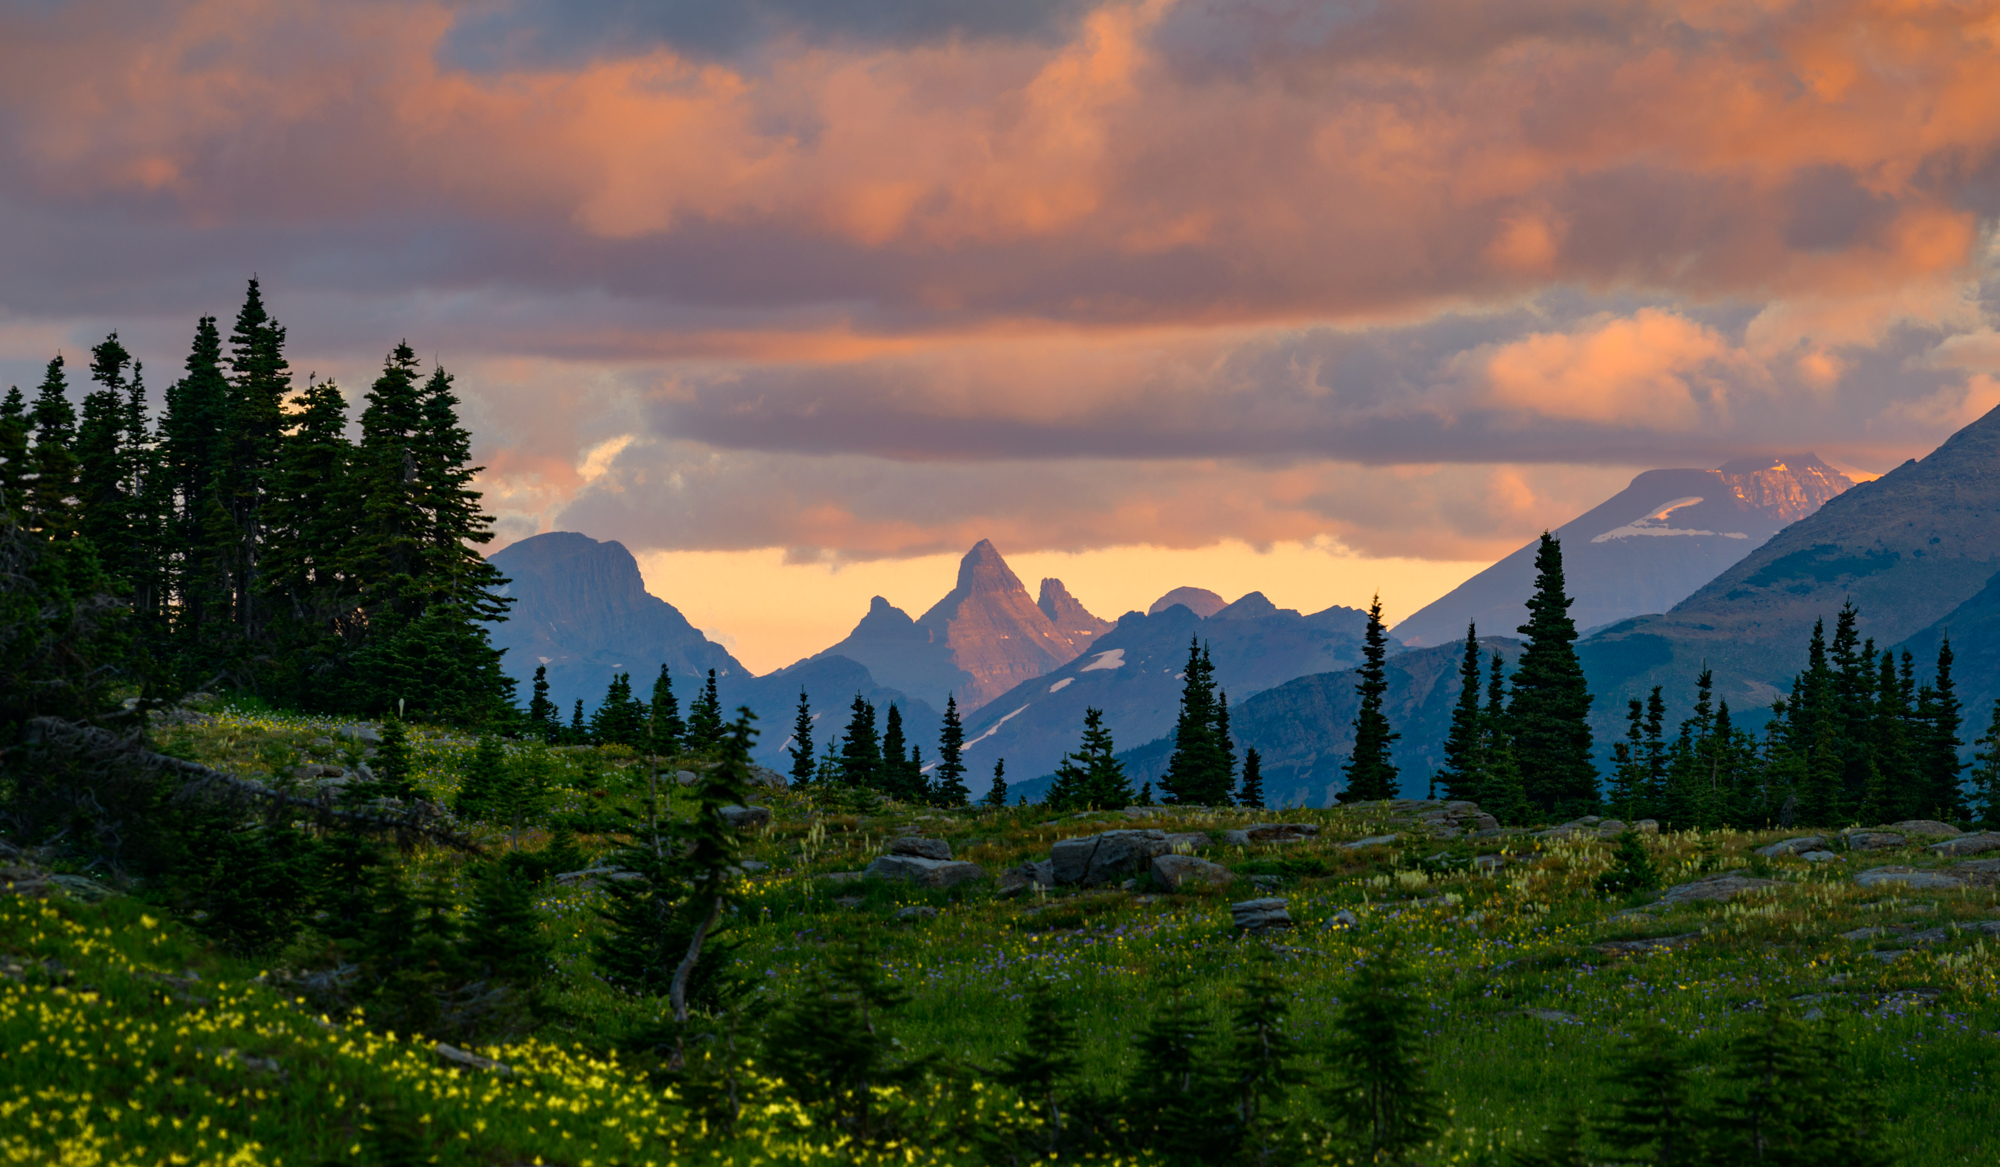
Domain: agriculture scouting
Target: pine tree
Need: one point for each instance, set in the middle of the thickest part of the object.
(48, 510)
(1173, 1105)
(1252, 791)
(1263, 1062)
(1549, 715)
(897, 776)
(393, 763)
(1628, 775)
(259, 380)
(1200, 770)
(1655, 784)
(310, 517)
(578, 733)
(1380, 1085)
(1786, 1100)
(1045, 1064)
(1939, 765)
(704, 723)
(948, 776)
(801, 747)
(1371, 777)
(860, 749)
(996, 797)
(620, 719)
(1986, 774)
(664, 717)
(543, 719)
(1092, 778)
(482, 788)
(1462, 746)
(1655, 1114)
(105, 498)
(503, 937)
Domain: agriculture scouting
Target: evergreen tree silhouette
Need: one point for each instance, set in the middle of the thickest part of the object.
(801, 748)
(1370, 774)
(1549, 712)
(996, 796)
(1462, 745)
(664, 716)
(1252, 791)
(947, 784)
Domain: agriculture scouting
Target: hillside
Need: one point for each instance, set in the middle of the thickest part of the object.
(1133, 675)
(1643, 550)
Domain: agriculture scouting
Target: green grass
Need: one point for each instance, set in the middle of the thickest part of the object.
(101, 1061)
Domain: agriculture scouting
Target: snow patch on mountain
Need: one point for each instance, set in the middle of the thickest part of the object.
(1105, 660)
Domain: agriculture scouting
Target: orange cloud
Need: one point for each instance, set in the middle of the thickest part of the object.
(1643, 369)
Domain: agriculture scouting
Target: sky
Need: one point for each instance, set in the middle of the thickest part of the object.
(799, 299)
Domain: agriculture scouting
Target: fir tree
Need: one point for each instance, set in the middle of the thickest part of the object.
(1092, 778)
(192, 435)
(947, 785)
(1939, 765)
(1551, 705)
(48, 508)
(1654, 1114)
(1263, 1062)
(620, 719)
(996, 796)
(1200, 768)
(105, 474)
(1371, 777)
(1252, 791)
(1045, 1064)
(801, 746)
(1381, 1088)
(1786, 1100)
(544, 720)
(393, 763)
(1173, 1105)
(1628, 774)
(259, 380)
(663, 716)
(310, 519)
(1986, 774)
(482, 788)
(1462, 745)
(1632, 868)
(578, 734)
(899, 779)
(704, 723)
(860, 749)
(503, 938)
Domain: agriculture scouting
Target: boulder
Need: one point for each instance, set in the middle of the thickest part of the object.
(753, 867)
(1647, 826)
(745, 816)
(1797, 845)
(362, 732)
(1907, 878)
(1108, 857)
(1488, 862)
(1966, 845)
(1820, 857)
(767, 777)
(1611, 828)
(924, 872)
(593, 875)
(1342, 919)
(1873, 840)
(1185, 872)
(1978, 872)
(1261, 914)
(470, 1061)
(1143, 812)
(1271, 833)
(921, 848)
(1188, 842)
(1725, 885)
(1027, 875)
(1867, 933)
(80, 887)
(686, 777)
(915, 912)
(1370, 841)
(1927, 828)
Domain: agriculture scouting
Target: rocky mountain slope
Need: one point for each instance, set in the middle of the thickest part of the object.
(984, 637)
(1133, 674)
(581, 608)
(1909, 549)
(1644, 549)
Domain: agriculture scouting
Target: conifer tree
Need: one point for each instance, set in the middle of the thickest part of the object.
(620, 719)
(1549, 714)
(704, 723)
(105, 495)
(1628, 774)
(948, 776)
(1654, 1114)
(482, 789)
(664, 716)
(503, 938)
(896, 772)
(1252, 791)
(1787, 1101)
(1942, 718)
(1370, 775)
(1200, 770)
(578, 734)
(1986, 774)
(310, 515)
(259, 379)
(801, 747)
(393, 763)
(1092, 778)
(1045, 1064)
(996, 796)
(861, 749)
(543, 719)
(1380, 1087)
(1172, 1102)
(48, 510)
(1263, 1062)
(1462, 745)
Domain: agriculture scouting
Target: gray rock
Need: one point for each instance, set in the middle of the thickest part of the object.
(753, 867)
(1978, 872)
(1873, 840)
(1726, 885)
(686, 777)
(921, 848)
(1645, 944)
(79, 887)
(767, 777)
(1278, 832)
(322, 743)
(1106, 858)
(1867, 933)
(1027, 875)
(1907, 878)
(470, 1061)
(1488, 862)
(924, 872)
(1647, 826)
(1926, 828)
(1611, 827)
(1370, 841)
(1342, 919)
(1555, 1015)
(1261, 914)
(1188, 842)
(1143, 812)
(1458, 804)
(1797, 845)
(362, 732)
(745, 816)
(1185, 873)
(1590, 820)
(594, 875)
(1820, 857)
(842, 876)
(915, 912)
(1966, 845)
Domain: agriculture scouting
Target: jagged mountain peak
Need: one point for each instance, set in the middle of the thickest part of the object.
(1068, 614)
(1786, 487)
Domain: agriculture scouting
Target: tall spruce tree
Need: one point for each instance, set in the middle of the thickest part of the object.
(1942, 719)
(1200, 770)
(861, 748)
(1549, 714)
(704, 723)
(1462, 745)
(259, 379)
(947, 785)
(1092, 778)
(1252, 791)
(49, 510)
(801, 745)
(310, 517)
(1370, 774)
(544, 717)
(899, 778)
(664, 716)
(996, 795)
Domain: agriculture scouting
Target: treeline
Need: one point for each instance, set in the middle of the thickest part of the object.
(252, 543)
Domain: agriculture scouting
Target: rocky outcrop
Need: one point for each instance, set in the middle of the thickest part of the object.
(1069, 616)
(745, 816)
(1908, 878)
(1185, 873)
(1261, 915)
(1271, 833)
(1926, 828)
(921, 848)
(1723, 886)
(1108, 857)
(1793, 846)
(1966, 845)
(924, 872)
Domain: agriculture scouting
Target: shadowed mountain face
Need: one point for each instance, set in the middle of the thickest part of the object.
(1643, 550)
(1909, 549)
(984, 637)
(1200, 601)
(582, 609)
(1134, 675)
